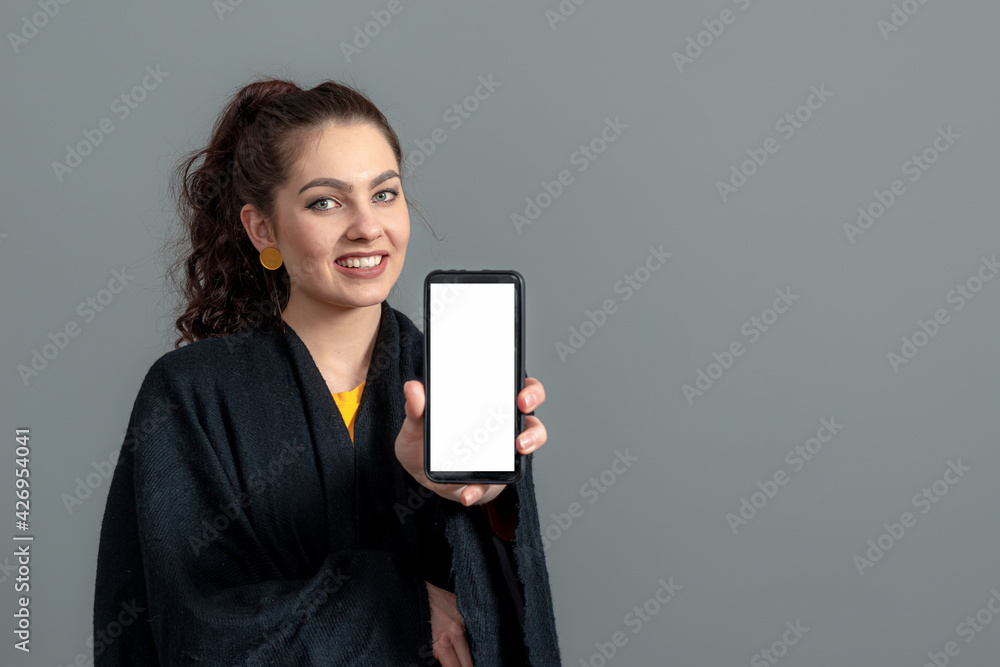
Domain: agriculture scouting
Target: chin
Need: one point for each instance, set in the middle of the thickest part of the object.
(362, 299)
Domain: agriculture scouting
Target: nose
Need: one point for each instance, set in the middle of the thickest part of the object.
(364, 224)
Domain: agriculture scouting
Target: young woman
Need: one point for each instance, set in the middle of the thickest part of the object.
(269, 505)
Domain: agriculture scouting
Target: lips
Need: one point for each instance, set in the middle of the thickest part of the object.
(360, 261)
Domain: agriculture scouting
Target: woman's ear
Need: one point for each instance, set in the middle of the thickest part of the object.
(256, 227)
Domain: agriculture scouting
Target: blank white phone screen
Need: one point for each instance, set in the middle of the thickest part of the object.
(472, 377)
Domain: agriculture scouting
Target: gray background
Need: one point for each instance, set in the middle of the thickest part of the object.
(826, 357)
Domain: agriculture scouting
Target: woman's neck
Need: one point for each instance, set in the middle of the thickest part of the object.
(341, 340)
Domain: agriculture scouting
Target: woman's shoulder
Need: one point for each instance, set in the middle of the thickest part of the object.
(262, 354)
(204, 377)
(225, 359)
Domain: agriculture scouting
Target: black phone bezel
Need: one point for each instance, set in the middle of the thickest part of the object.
(441, 276)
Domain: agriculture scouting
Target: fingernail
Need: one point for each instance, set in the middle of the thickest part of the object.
(529, 400)
(525, 441)
(469, 497)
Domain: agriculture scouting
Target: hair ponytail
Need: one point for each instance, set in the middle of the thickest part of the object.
(223, 286)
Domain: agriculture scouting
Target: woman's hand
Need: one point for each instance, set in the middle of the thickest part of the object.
(410, 442)
(451, 648)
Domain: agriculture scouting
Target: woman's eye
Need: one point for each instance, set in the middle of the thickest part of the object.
(317, 204)
(383, 196)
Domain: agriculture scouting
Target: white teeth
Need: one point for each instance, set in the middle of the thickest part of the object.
(361, 262)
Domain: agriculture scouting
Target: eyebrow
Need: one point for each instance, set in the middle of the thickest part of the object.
(344, 185)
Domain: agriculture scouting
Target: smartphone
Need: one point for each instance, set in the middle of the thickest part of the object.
(473, 371)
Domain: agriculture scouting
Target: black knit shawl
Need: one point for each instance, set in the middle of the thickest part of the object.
(243, 528)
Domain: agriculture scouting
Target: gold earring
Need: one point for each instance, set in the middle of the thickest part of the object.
(270, 258)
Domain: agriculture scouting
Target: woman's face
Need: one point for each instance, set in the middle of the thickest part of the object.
(343, 197)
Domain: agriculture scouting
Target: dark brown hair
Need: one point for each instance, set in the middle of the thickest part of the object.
(256, 138)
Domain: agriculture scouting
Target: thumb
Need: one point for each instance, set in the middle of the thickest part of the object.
(414, 393)
(409, 441)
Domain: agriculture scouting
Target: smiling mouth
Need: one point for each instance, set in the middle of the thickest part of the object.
(360, 263)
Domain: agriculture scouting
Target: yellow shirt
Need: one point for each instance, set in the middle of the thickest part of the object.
(348, 402)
